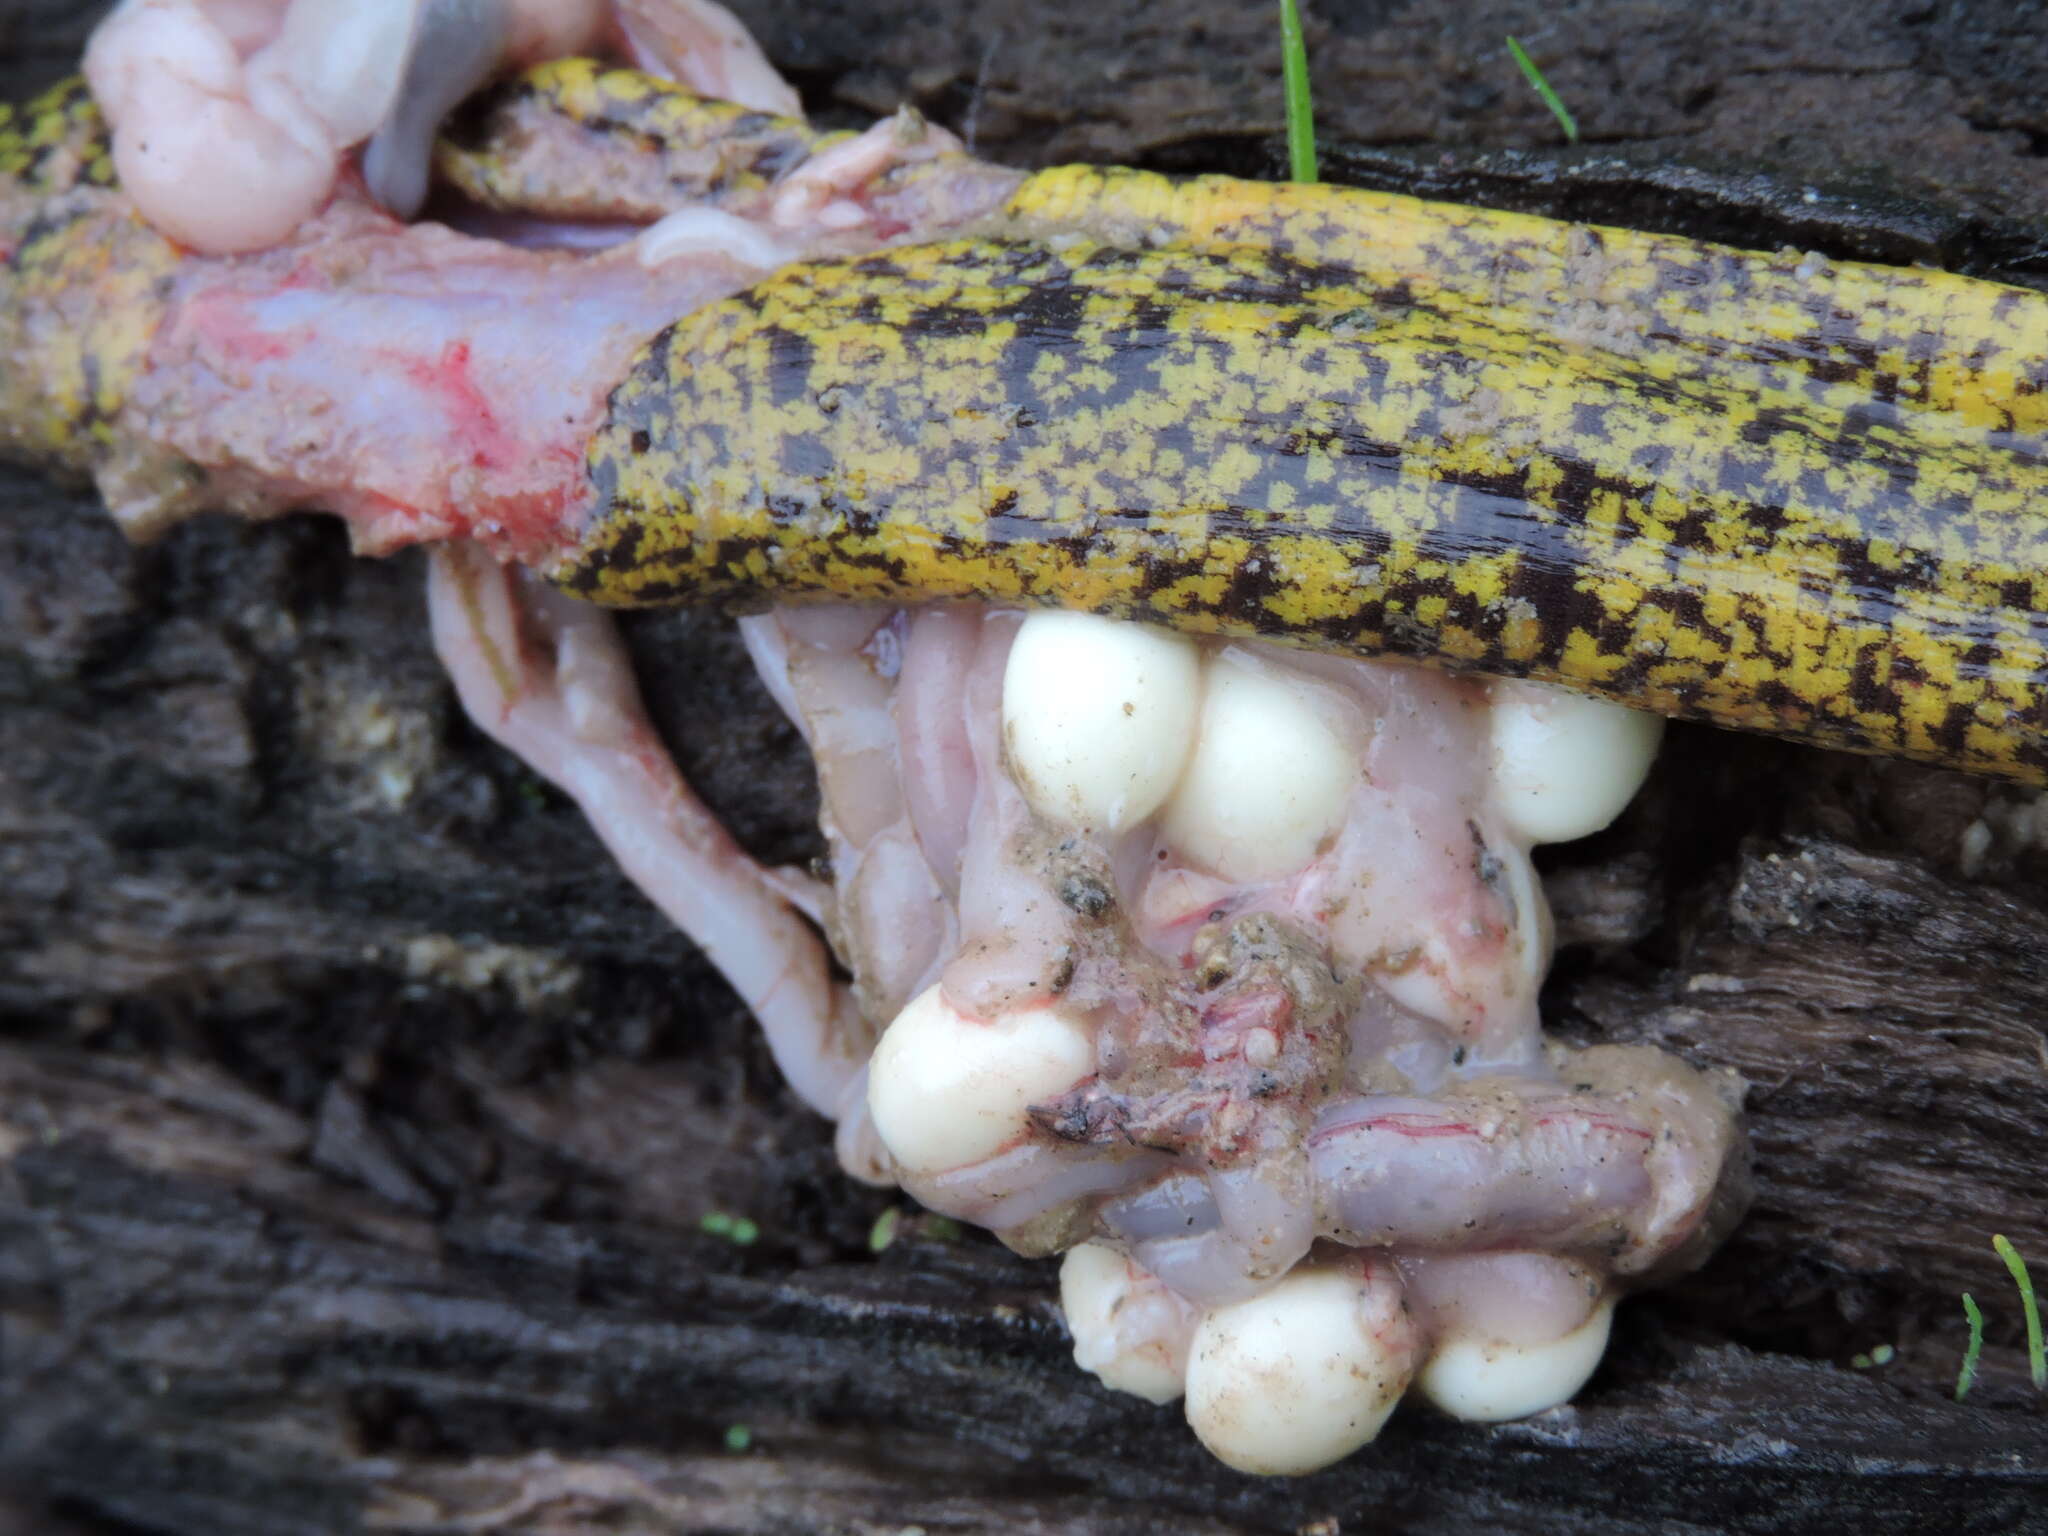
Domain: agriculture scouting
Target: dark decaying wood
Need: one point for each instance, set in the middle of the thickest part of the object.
(357, 1121)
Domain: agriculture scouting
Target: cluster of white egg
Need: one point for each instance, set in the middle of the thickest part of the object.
(1307, 1371)
(1244, 772)
(1107, 724)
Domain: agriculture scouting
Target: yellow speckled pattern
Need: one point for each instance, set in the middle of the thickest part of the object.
(1768, 491)
(1764, 490)
(55, 142)
(78, 281)
(575, 139)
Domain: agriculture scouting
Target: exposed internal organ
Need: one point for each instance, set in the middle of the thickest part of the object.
(1267, 1067)
(1213, 965)
(1222, 962)
(387, 372)
(233, 119)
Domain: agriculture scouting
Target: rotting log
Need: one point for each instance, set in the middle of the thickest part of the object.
(357, 1121)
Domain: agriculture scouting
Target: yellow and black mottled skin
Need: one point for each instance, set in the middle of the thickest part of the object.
(1761, 490)
(55, 141)
(76, 286)
(575, 139)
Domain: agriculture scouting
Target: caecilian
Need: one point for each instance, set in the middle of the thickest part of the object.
(1772, 491)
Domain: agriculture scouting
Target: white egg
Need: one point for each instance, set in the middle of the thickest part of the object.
(945, 1090)
(1301, 1374)
(1269, 779)
(1564, 765)
(1130, 1332)
(1098, 716)
(1472, 1376)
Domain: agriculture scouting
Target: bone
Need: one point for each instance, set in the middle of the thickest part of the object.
(821, 193)
(713, 232)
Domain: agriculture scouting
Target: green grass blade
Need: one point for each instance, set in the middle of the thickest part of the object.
(1534, 76)
(1301, 112)
(2037, 1361)
(1968, 1374)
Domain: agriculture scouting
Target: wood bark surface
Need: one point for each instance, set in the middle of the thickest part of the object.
(358, 1121)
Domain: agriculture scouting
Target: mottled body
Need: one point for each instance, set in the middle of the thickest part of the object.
(577, 140)
(1763, 490)
(77, 289)
(1760, 490)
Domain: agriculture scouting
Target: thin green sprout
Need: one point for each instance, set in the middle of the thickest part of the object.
(739, 1230)
(1968, 1374)
(1535, 77)
(1301, 112)
(2037, 1361)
